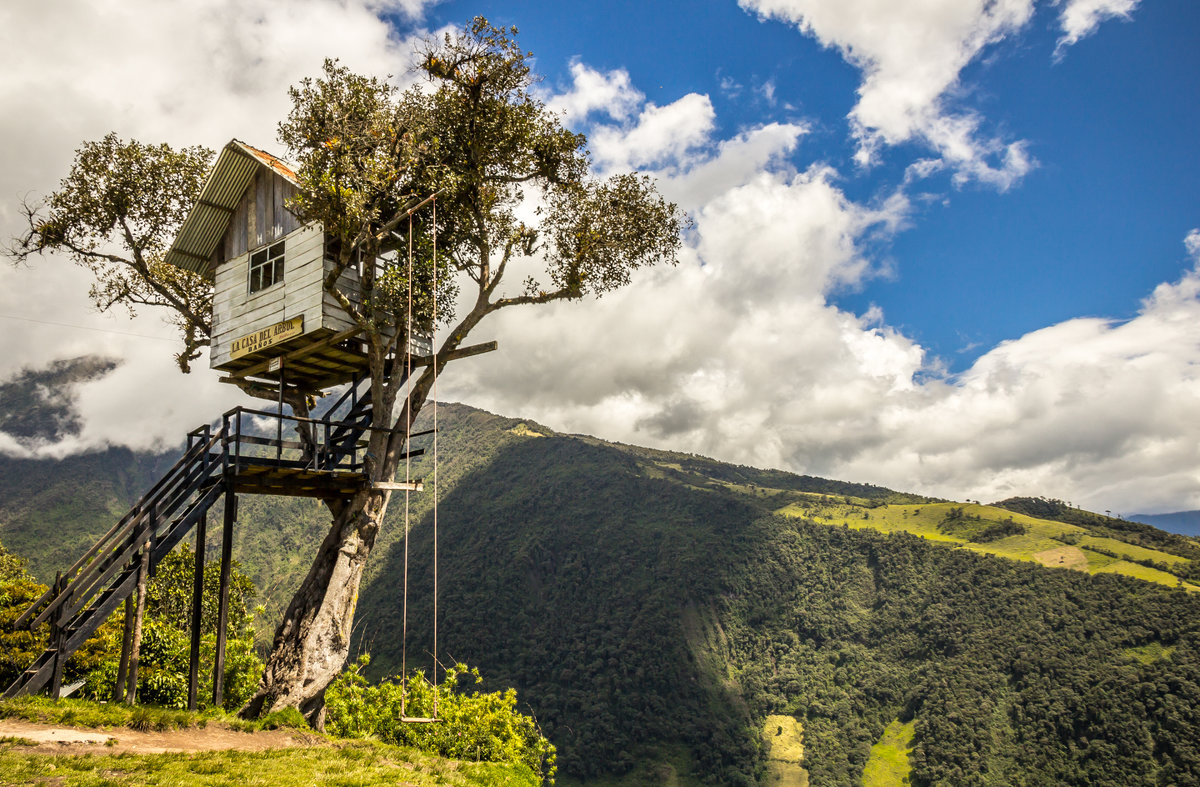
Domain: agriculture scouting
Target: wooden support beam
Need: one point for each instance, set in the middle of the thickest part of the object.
(136, 649)
(223, 600)
(197, 614)
(126, 646)
(56, 642)
(454, 355)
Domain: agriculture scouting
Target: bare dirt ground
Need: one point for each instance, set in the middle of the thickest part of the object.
(1063, 557)
(57, 739)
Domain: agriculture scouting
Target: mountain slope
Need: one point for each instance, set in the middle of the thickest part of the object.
(664, 615)
(654, 614)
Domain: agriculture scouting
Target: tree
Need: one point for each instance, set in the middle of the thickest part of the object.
(116, 214)
(483, 144)
(513, 188)
(165, 646)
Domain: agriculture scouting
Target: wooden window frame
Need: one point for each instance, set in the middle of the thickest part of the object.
(266, 266)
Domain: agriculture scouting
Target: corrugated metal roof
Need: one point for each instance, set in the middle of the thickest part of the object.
(205, 225)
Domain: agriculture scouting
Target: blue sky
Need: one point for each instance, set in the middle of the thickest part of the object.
(1090, 231)
(947, 246)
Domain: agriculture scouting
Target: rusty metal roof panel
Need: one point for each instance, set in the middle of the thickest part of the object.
(205, 225)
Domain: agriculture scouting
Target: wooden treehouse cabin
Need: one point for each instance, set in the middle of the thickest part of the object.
(273, 324)
(271, 314)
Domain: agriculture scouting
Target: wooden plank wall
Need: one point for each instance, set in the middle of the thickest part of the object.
(262, 216)
(237, 313)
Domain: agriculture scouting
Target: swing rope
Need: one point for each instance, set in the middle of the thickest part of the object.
(408, 470)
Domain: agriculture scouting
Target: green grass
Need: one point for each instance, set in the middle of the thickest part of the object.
(343, 763)
(85, 713)
(888, 764)
(1131, 551)
(927, 521)
(356, 763)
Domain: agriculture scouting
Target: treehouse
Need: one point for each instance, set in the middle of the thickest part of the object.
(272, 318)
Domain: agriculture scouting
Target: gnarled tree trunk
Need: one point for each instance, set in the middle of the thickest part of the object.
(312, 641)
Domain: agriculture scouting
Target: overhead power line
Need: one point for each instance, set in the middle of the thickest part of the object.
(86, 328)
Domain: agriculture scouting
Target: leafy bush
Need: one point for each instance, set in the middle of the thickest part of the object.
(163, 660)
(472, 725)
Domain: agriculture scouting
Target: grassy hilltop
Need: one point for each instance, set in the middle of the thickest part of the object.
(673, 619)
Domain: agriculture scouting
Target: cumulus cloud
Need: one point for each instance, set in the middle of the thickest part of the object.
(911, 56)
(738, 352)
(194, 73)
(592, 91)
(660, 136)
(1080, 18)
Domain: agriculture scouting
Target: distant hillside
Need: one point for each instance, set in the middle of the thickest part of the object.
(670, 617)
(1185, 523)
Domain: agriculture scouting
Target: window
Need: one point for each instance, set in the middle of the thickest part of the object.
(266, 267)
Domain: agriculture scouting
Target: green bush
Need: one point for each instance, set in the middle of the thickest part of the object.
(166, 643)
(471, 725)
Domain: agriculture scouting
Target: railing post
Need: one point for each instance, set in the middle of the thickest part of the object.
(153, 543)
(57, 640)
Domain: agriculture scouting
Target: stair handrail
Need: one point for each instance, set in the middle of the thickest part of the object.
(91, 580)
(135, 512)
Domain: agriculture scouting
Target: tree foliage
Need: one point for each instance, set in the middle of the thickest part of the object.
(166, 643)
(116, 214)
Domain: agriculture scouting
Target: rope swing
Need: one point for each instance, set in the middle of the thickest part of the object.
(404, 717)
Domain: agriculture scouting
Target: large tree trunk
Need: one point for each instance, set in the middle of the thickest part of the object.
(313, 639)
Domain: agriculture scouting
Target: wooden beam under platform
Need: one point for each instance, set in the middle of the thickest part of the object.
(454, 355)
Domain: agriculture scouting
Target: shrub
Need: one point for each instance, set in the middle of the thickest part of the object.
(472, 725)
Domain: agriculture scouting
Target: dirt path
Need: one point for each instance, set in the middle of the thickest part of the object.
(52, 739)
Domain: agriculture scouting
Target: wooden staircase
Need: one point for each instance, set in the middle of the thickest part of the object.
(219, 462)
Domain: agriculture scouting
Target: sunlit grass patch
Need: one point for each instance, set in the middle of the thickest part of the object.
(1131, 551)
(1148, 654)
(888, 764)
(1134, 570)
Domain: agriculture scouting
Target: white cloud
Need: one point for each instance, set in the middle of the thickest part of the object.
(186, 73)
(591, 91)
(1080, 18)
(738, 353)
(1192, 243)
(911, 55)
(661, 135)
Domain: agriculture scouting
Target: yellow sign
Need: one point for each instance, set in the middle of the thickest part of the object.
(268, 337)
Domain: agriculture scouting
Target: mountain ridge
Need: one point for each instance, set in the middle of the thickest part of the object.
(656, 609)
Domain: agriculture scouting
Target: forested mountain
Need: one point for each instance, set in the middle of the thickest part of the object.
(672, 619)
(1185, 523)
